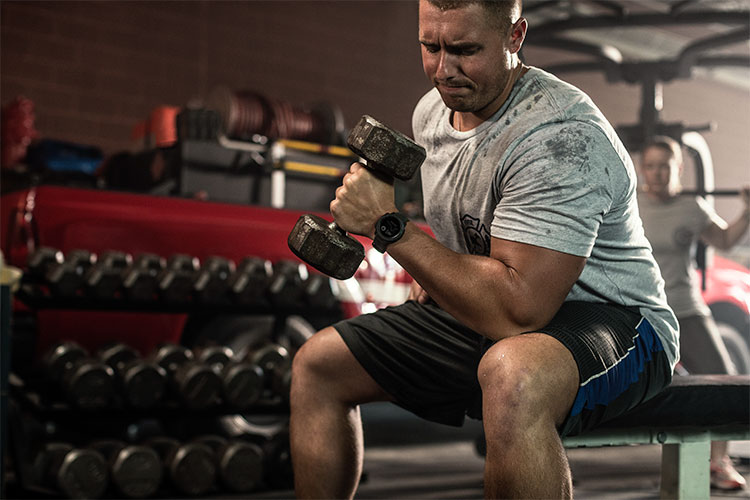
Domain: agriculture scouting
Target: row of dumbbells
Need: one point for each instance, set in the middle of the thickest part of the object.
(172, 374)
(180, 279)
(202, 465)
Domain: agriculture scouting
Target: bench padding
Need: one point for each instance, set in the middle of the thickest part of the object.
(695, 401)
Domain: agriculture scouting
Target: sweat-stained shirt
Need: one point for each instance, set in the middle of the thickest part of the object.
(547, 169)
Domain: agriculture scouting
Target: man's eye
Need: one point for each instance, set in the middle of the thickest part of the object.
(430, 48)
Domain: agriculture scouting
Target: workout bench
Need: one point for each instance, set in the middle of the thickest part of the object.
(684, 418)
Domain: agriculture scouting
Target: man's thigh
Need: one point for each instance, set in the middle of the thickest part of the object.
(621, 361)
(325, 363)
(421, 356)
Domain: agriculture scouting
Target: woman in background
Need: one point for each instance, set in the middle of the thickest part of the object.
(673, 225)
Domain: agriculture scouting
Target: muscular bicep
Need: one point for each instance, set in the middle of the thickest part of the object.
(543, 278)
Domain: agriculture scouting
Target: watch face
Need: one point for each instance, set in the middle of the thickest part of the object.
(390, 226)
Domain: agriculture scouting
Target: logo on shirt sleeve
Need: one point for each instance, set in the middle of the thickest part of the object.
(476, 235)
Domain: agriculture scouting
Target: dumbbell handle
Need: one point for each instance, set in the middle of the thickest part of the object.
(713, 192)
(335, 227)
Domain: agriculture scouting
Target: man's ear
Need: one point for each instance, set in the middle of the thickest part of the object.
(518, 34)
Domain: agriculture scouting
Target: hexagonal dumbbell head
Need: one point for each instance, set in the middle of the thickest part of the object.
(386, 150)
(325, 247)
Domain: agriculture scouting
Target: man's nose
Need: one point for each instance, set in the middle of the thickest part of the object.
(447, 67)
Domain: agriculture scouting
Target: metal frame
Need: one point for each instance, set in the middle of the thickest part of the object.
(685, 453)
(648, 74)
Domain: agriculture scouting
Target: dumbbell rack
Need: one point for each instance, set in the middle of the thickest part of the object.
(40, 422)
(280, 174)
(33, 298)
(54, 416)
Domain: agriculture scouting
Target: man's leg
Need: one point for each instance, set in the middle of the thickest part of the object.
(529, 383)
(328, 384)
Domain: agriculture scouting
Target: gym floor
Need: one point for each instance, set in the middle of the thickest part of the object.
(407, 457)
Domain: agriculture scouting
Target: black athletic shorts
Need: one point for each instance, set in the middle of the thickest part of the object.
(427, 360)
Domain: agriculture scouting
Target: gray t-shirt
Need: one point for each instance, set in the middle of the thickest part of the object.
(548, 170)
(673, 228)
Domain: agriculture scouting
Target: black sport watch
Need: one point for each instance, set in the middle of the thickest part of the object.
(389, 229)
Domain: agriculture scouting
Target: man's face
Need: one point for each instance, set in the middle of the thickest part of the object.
(466, 56)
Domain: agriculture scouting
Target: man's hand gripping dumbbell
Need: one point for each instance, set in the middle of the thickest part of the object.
(324, 245)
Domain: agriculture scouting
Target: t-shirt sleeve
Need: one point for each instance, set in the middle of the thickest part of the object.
(555, 187)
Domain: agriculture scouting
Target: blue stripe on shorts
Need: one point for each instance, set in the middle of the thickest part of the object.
(605, 387)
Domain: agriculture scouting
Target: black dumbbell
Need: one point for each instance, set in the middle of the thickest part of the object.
(278, 461)
(104, 279)
(116, 354)
(321, 292)
(61, 357)
(86, 382)
(134, 470)
(242, 382)
(275, 361)
(74, 472)
(42, 259)
(142, 383)
(139, 280)
(68, 278)
(211, 284)
(175, 282)
(323, 244)
(281, 383)
(287, 287)
(190, 467)
(215, 356)
(249, 282)
(239, 463)
(196, 384)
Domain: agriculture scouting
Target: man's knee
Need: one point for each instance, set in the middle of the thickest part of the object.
(504, 377)
(313, 363)
(527, 377)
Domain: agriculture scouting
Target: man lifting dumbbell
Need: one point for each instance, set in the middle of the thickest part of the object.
(535, 301)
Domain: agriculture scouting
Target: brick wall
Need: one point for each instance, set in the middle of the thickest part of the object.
(94, 69)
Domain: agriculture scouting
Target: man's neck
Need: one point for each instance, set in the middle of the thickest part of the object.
(467, 121)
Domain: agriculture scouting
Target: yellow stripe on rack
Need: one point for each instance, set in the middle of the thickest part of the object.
(316, 148)
(309, 168)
